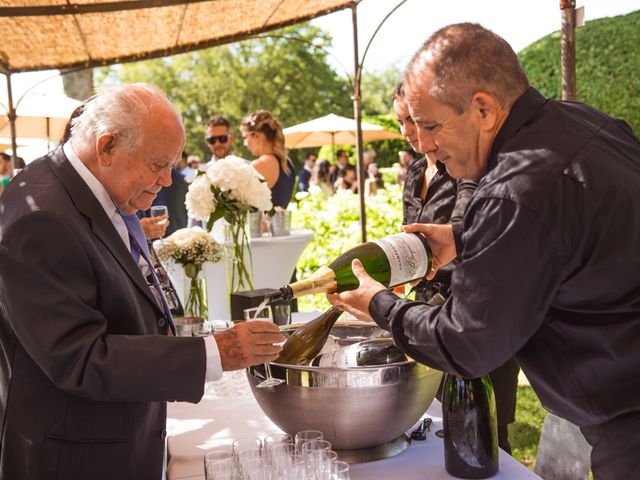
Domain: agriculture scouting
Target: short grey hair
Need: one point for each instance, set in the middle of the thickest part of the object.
(119, 110)
(467, 58)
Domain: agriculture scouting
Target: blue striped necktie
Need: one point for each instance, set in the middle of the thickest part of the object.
(139, 246)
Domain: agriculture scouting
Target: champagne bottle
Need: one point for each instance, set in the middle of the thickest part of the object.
(375, 351)
(391, 260)
(470, 427)
(306, 342)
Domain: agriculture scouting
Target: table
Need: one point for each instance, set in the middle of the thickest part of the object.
(228, 411)
(274, 259)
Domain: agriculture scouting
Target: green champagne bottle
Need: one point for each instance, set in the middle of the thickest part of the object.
(305, 343)
(470, 427)
(391, 260)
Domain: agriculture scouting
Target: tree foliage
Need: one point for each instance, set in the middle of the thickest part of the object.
(377, 88)
(281, 72)
(607, 65)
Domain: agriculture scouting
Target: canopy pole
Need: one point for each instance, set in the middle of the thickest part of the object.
(568, 46)
(333, 148)
(11, 113)
(357, 109)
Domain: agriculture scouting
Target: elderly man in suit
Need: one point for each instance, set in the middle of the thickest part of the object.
(88, 363)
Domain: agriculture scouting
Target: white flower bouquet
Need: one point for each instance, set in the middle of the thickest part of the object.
(230, 189)
(191, 247)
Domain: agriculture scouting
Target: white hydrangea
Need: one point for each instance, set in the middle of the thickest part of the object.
(200, 200)
(242, 182)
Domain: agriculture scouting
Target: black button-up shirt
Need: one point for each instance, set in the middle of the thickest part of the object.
(445, 202)
(550, 265)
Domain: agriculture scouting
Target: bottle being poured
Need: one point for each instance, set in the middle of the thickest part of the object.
(392, 261)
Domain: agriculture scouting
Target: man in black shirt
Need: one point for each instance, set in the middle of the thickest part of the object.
(431, 196)
(549, 245)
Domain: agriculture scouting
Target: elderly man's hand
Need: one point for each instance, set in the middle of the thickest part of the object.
(154, 227)
(248, 343)
(356, 302)
(440, 238)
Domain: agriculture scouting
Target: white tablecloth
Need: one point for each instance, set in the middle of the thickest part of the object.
(229, 411)
(274, 259)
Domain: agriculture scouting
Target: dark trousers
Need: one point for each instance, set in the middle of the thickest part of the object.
(616, 447)
(505, 386)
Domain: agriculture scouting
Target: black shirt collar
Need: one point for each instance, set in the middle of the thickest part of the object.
(523, 109)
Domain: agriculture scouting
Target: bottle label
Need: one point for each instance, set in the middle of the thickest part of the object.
(407, 257)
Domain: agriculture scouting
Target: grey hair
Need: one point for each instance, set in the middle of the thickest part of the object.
(467, 58)
(119, 110)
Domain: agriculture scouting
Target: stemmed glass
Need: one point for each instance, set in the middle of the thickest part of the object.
(159, 211)
(263, 313)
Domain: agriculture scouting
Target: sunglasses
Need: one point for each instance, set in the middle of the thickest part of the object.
(219, 138)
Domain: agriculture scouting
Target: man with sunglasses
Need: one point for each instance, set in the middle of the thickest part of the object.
(217, 134)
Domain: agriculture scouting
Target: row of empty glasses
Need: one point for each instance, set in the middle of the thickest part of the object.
(307, 456)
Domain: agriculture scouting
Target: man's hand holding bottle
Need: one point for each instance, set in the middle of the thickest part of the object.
(356, 302)
(440, 239)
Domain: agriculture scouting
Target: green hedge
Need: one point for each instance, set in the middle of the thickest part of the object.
(607, 66)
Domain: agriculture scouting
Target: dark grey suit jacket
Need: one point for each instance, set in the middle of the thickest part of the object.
(86, 365)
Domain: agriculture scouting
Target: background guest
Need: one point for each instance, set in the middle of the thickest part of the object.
(368, 157)
(262, 134)
(174, 196)
(217, 134)
(321, 177)
(374, 181)
(304, 176)
(342, 160)
(5, 170)
(347, 179)
(405, 158)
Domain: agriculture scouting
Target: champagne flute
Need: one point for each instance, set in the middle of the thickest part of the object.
(263, 313)
(159, 211)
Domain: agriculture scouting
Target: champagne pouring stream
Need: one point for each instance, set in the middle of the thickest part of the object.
(255, 314)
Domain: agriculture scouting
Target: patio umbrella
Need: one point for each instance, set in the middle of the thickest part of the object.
(333, 130)
(39, 116)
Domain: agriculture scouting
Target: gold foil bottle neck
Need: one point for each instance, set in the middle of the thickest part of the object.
(323, 280)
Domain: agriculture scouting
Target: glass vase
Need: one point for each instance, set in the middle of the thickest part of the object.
(195, 294)
(238, 255)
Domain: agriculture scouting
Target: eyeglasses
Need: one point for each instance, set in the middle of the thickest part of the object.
(220, 138)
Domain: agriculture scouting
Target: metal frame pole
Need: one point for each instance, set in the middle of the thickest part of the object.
(568, 47)
(357, 110)
(11, 113)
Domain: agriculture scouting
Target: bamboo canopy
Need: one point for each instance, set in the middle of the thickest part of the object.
(45, 34)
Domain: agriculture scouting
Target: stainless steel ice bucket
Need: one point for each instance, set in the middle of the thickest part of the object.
(355, 408)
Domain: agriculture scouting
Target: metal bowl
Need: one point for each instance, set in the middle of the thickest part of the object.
(355, 408)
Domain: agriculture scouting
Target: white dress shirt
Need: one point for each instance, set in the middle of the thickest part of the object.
(214, 363)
